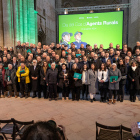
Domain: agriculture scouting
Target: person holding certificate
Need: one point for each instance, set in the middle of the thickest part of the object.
(75, 77)
(114, 77)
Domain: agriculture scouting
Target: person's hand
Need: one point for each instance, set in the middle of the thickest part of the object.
(114, 81)
(57, 84)
(47, 84)
(33, 78)
(75, 79)
(134, 128)
(44, 78)
(133, 80)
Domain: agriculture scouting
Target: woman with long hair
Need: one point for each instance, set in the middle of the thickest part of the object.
(84, 81)
(108, 64)
(103, 82)
(93, 82)
(122, 67)
(43, 73)
(75, 83)
(133, 75)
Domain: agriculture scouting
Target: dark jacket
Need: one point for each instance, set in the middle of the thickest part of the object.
(87, 63)
(12, 76)
(61, 79)
(42, 75)
(104, 60)
(72, 82)
(134, 75)
(52, 76)
(97, 62)
(34, 73)
(123, 70)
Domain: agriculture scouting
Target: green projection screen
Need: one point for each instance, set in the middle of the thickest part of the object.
(91, 28)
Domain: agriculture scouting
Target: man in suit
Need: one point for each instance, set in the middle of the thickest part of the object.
(34, 73)
(104, 59)
(97, 61)
(85, 62)
(69, 62)
(137, 46)
(78, 41)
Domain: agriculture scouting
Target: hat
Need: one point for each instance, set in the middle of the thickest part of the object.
(77, 33)
(114, 64)
(66, 33)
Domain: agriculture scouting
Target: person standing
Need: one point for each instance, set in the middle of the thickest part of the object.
(133, 75)
(93, 82)
(114, 77)
(43, 73)
(75, 83)
(103, 82)
(23, 79)
(34, 73)
(2, 82)
(52, 81)
(122, 67)
(84, 81)
(10, 78)
(64, 82)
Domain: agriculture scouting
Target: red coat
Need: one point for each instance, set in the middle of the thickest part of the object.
(3, 74)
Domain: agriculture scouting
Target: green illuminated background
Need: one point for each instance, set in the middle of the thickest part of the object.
(25, 21)
(99, 28)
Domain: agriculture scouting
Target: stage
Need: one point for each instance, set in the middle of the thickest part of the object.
(78, 117)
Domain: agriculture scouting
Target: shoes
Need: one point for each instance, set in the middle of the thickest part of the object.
(114, 102)
(9, 96)
(50, 99)
(77, 99)
(94, 99)
(110, 101)
(91, 100)
(22, 96)
(34, 96)
(16, 96)
(101, 100)
(55, 99)
(26, 96)
(72, 99)
(67, 98)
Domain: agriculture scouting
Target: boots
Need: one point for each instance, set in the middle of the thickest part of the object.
(134, 98)
(101, 100)
(118, 98)
(121, 98)
(110, 101)
(114, 101)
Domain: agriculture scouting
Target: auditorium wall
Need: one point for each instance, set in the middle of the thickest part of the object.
(47, 20)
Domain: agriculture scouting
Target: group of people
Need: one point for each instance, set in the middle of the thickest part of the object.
(58, 68)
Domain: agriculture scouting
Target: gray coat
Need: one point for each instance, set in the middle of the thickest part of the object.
(92, 81)
(13, 75)
(114, 86)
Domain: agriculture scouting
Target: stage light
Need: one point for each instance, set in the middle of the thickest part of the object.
(66, 11)
(118, 9)
(91, 11)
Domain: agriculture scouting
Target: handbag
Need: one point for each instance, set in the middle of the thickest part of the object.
(124, 77)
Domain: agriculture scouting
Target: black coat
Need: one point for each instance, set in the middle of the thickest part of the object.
(97, 62)
(61, 79)
(42, 81)
(134, 75)
(34, 73)
(52, 76)
(123, 70)
(72, 82)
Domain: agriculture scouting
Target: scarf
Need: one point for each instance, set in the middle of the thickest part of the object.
(45, 69)
(133, 68)
(83, 76)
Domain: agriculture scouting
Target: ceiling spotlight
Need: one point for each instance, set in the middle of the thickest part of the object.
(66, 11)
(118, 9)
(91, 11)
